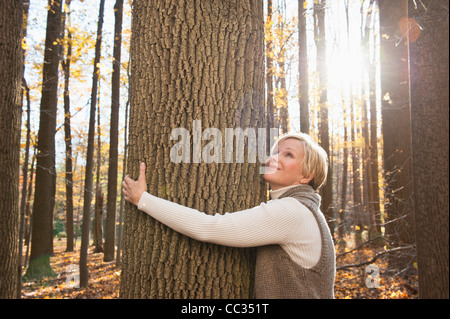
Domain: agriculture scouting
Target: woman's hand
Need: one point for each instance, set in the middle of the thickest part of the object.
(133, 190)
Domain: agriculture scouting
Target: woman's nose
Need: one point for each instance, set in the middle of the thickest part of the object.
(273, 159)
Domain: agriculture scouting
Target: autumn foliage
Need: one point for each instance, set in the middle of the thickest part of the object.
(105, 279)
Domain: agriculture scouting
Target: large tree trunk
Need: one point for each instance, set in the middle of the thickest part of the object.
(396, 127)
(110, 228)
(42, 227)
(203, 61)
(429, 61)
(10, 118)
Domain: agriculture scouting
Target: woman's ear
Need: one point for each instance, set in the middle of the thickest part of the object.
(306, 180)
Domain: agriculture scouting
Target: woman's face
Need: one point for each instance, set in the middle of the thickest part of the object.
(285, 167)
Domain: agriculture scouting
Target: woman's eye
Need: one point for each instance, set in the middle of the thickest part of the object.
(289, 155)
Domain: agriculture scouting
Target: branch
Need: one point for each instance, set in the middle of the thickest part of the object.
(371, 261)
(358, 247)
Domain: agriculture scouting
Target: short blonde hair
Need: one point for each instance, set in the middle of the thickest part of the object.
(315, 160)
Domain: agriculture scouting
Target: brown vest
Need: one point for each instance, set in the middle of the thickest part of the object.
(277, 276)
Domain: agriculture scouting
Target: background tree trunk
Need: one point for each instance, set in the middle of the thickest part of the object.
(110, 228)
(97, 232)
(429, 60)
(68, 136)
(44, 199)
(84, 273)
(396, 127)
(271, 120)
(303, 68)
(11, 59)
(23, 199)
(324, 137)
(203, 61)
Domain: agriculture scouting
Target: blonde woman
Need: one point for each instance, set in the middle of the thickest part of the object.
(295, 251)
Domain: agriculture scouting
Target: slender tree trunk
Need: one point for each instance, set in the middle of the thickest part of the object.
(98, 212)
(303, 68)
(110, 228)
(84, 272)
(11, 59)
(23, 199)
(68, 137)
(271, 122)
(356, 175)
(342, 219)
(42, 228)
(282, 93)
(122, 202)
(28, 215)
(207, 65)
(369, 126)
(98, 233)
(372, 30)
(429, 60)
(324, 137)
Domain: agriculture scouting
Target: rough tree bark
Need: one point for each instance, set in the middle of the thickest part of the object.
(42, 227)
(10, 120)
(429, 64)
(196, 60)
(396, 128)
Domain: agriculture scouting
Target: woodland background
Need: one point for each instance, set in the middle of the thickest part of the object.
(367, 79)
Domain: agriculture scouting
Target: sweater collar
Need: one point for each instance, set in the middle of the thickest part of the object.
(304, 193)
(275, 194)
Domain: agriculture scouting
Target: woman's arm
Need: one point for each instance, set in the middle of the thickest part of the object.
(271, 223)
(268, 223)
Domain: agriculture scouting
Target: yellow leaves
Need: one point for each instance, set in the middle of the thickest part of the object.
(66, 8)
(25, 46)
(351, 283)
(103, 278)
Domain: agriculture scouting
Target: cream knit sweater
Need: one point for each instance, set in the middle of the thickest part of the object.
(285, 222)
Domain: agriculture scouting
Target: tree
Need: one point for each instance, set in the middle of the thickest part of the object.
(303, 68)
(44, 200)
(114, 137)
(271, 120)
(195, 61)
(68, 132)
(23, 199)
(396, 128)
(282, 40)
(84, 272)
(10, 119)
(97, 232)
(369, 127)
(429, 56)
(324, 134)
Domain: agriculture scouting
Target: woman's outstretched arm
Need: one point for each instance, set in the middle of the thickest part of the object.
(268, 223)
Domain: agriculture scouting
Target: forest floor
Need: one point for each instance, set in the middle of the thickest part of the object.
(104, 278)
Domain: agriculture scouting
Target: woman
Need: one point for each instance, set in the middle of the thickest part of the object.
(295, 251)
